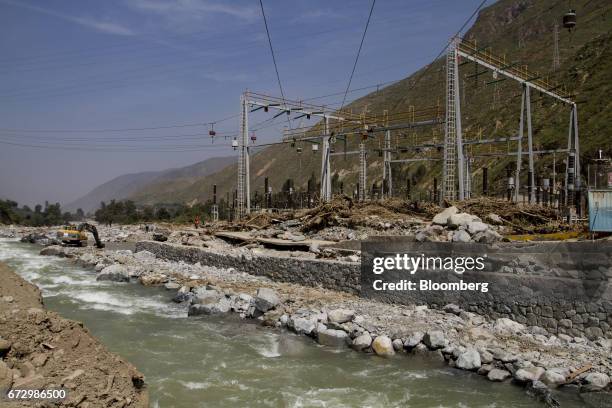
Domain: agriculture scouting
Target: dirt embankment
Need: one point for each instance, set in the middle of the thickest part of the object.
(41, 350)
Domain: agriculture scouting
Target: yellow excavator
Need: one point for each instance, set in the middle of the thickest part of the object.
(77, 235)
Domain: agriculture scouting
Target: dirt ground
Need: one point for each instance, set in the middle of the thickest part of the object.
(41, 350)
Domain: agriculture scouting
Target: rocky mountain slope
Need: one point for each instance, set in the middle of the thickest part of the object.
(149, 185)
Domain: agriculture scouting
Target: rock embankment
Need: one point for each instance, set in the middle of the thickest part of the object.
(41, 350)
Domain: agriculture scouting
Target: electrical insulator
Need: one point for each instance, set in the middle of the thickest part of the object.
(253, 137)
(569, 20)
(299, 150)
(235, 143)
(315, 148)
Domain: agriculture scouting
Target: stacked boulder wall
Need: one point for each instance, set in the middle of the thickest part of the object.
(43, 350)
(562, 287)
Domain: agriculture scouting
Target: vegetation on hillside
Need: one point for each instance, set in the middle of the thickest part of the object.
(51, 214)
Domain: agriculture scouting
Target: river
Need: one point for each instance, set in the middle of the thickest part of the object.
(212, 362)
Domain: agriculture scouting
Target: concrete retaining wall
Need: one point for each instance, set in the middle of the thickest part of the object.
(564, 288)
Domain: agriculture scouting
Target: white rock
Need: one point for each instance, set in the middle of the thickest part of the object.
(362, 342)
(494, 218)
(553, 378)
(508, 326)
(302, 325)
(461, 236)
(596, 381)
(340, 315)
(266, 299)
(461, 219)
(333, 338)
(383, 346)
(476, 226)
(434, 339)
(442, 217)
(529, 374)
(469, 360)
(115, 273)
(398, 345)
(414, 339)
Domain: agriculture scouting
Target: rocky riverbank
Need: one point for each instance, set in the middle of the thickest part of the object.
(498, 349)
(41, 350)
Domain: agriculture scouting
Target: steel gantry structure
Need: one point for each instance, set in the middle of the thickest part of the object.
(346, 124)
(455, 166)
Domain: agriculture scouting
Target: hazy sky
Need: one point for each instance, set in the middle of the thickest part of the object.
(75, 75)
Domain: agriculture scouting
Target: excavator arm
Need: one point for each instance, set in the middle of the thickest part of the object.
(94, 231)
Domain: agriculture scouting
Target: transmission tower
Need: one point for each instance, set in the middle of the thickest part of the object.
(363, 179)
(452, 133)
(244, 194)
(556, 63)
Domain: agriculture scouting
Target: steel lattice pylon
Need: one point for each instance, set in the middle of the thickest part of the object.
(453, 150)
(244, 195)
(363, 178)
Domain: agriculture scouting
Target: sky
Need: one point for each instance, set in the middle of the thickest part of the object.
(91, 90)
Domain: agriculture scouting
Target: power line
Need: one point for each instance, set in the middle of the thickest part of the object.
(358, 53)
(116, 130)
(280, 85)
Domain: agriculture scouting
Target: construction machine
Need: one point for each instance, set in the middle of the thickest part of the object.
(77, 235)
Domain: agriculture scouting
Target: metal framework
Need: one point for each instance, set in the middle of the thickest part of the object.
(387, 175)
(244, 186)
(363, 168)
(453, 164)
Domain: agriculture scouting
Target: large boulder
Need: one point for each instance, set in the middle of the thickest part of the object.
(362, 342)
(529, 374)
(461, 236)
(596, 381)
(115, 273)
(442, 217)
(333, 338)
(340, 315)
(508, 326)
(469, 360)
(414, 339)
(497, 374)
(554, 377)
(266, 299)
(461, 220)
(434, 339)
(383, 346)
(476, 226)
(153, 279)
(203, 296)
(221, 306)
(302, 324)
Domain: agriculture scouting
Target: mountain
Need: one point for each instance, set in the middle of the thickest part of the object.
(147, 185)
(522, 31)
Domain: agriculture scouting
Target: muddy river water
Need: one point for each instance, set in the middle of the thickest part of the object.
(206, 362)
